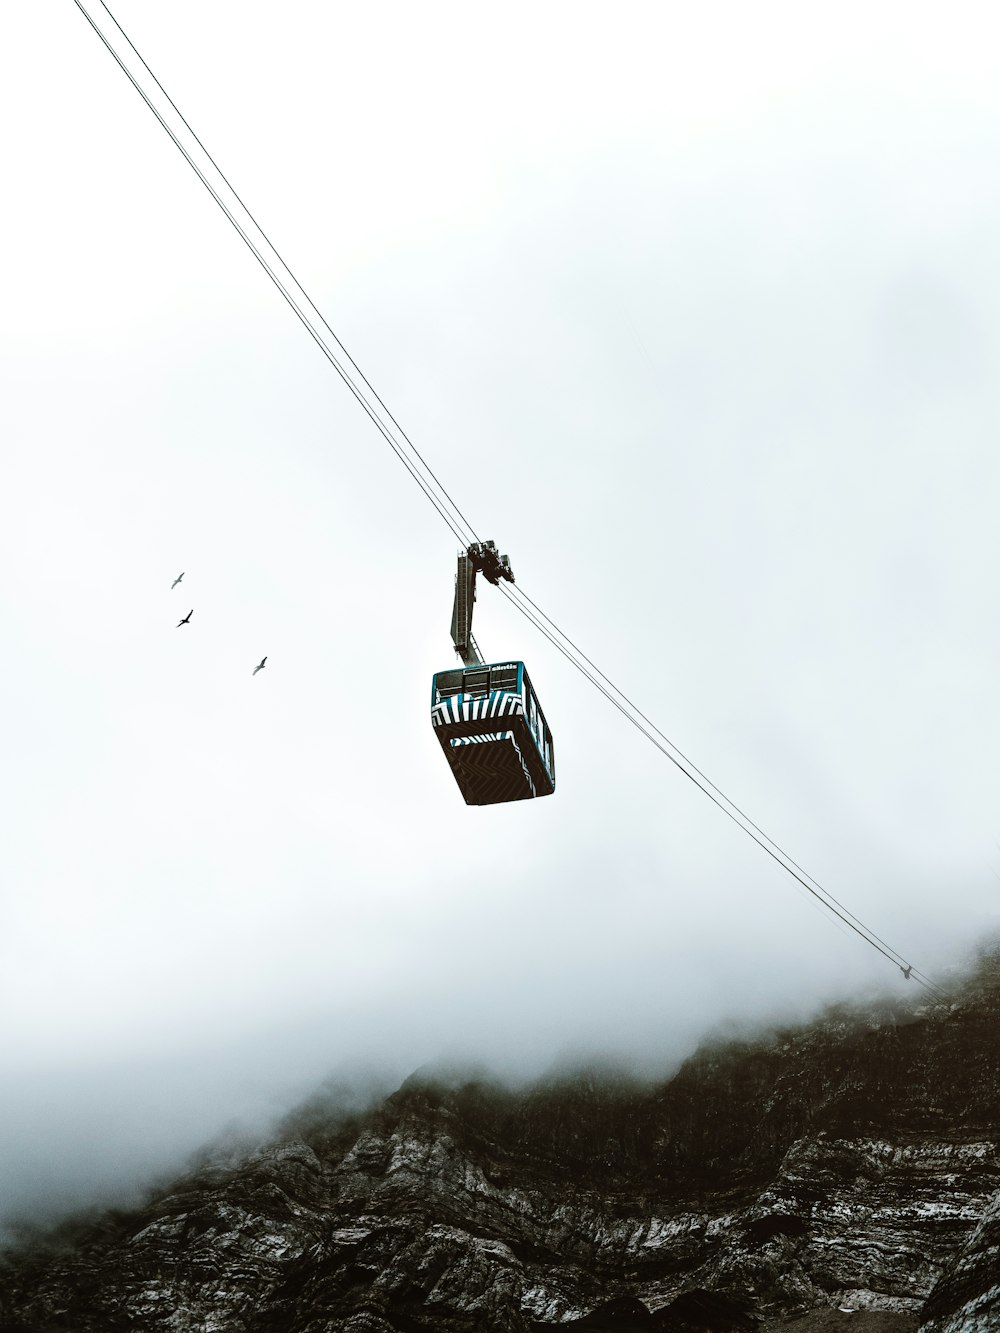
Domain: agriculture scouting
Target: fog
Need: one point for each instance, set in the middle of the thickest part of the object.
(695, 314)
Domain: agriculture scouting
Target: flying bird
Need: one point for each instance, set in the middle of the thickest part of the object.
(176, 580)
(186, 618)
(259, 666)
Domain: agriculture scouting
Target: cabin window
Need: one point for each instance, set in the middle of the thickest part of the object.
(449, 683)
(504, 678)
(477, 682)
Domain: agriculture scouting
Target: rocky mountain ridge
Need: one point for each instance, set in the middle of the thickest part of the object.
(851, 1165)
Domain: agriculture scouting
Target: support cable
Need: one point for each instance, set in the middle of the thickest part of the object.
(766, 844)
(517, 592)
(307, 323)
(274, 250)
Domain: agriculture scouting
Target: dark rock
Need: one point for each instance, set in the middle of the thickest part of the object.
(760, 1229)
(624, 1315)
(967, 1298)
(708, 1312)
(848, 1166)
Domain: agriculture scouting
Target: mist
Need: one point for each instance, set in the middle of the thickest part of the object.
(83, 1135)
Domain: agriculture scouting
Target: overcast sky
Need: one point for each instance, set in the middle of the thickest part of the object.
(696, 311)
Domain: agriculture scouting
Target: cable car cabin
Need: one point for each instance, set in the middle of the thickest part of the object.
(493, 733)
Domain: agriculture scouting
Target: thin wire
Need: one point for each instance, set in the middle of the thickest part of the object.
(518, 591)
(708, 789)
(274, 250)
(537, 617)
(301, 315)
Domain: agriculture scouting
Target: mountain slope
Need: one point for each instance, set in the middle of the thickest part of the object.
(853, 1163)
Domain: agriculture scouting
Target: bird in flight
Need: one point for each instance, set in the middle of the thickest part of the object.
(186, 619)
(176, 580)
(259, 666)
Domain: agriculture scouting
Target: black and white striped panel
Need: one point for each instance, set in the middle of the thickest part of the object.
(470, 708)
(491, 771)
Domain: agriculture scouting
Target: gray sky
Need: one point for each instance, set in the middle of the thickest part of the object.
(695, 311)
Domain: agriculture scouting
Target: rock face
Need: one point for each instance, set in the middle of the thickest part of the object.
(854, 1164)
(967, 1299)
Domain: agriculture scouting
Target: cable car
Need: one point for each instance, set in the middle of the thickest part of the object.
(486, 716)
(493, 732)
